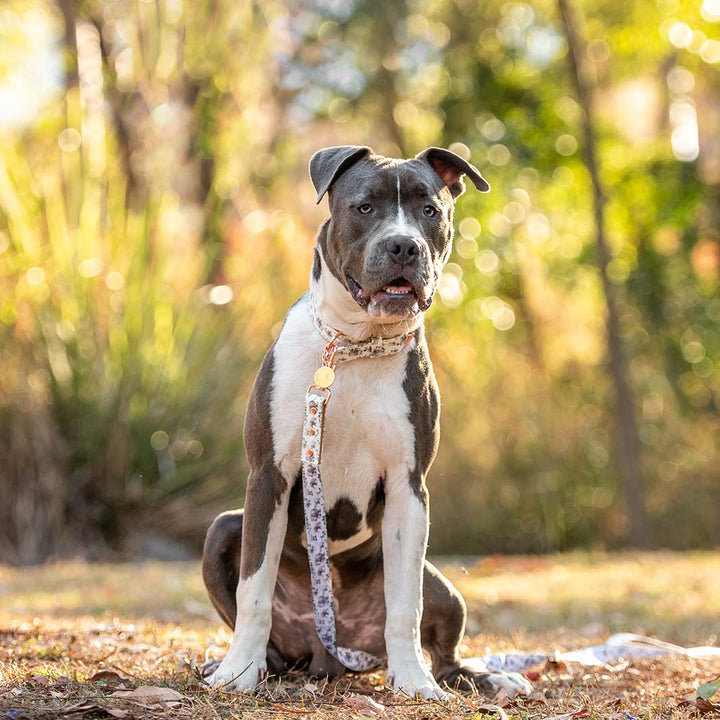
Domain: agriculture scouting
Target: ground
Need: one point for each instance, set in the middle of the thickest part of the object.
(86, 641)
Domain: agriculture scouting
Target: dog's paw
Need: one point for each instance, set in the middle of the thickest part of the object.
(511, 682)
(238, 676)
(414, 681)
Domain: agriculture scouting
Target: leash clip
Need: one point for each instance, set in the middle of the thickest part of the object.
(319, 389)
(325, 374)
(328, 356)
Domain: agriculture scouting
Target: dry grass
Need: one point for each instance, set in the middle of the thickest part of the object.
(71, 635)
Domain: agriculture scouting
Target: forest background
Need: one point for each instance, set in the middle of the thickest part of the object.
(156, 221)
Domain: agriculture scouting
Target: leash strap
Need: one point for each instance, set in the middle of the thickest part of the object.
(339, 349)
(317, 539)
(617, 648)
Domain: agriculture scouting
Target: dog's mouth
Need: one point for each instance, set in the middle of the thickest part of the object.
(396, 288)
(360, 296)
(399, 297)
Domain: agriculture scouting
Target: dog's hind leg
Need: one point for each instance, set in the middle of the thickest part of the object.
(442, 629)
(221, 563)
(221, 572)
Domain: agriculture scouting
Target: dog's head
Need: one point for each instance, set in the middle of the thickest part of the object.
(390, 230)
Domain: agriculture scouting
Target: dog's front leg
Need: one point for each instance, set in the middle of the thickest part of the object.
(404, 538)
(264, 527)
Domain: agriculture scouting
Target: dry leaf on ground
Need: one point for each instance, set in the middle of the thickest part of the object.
(502, 699)
(91, 708)
(574, 714)
(151, 696)
(705, 706)
(39, 680)
(487, 709)
(107, 676)
(365, 705)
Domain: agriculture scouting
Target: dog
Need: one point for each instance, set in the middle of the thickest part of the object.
(376, 268)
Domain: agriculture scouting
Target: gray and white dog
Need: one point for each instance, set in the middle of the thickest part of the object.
(377, 266)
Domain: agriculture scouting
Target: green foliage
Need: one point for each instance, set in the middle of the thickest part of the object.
(124, 378)
(137, 367)
(156, 221)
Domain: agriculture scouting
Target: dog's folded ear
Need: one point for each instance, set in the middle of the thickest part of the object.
(327, 165)
(450, 168)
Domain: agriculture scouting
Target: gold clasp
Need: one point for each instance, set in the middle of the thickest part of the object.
(328, 356)
(325, 375)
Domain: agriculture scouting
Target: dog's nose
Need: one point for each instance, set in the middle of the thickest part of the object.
(403, 248)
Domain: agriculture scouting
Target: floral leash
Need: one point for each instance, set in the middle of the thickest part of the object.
(618, 648)
(339, 349)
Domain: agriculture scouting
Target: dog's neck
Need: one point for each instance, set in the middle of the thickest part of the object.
(338, 311)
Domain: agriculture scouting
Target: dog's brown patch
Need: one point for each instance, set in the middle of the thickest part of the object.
(343, 520)
(424, 398)
(265, 485)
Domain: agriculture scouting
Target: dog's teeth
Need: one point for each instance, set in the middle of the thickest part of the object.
(394, 290)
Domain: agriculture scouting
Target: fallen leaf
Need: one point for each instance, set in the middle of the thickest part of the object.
(557, 665)
(567, 716)
(533, 675)
(502, 699)
(40, 680)
(535, 697)
(109, 676)
(709, 689)
(87, 708)
(487, 709)
(365, 705)
(705, 706)
(116, 712)
(150, 696)
(310, 687)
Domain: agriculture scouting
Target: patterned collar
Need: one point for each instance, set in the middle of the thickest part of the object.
(347, 349)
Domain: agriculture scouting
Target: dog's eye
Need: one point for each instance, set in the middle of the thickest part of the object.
(430, 210)
(365, 208)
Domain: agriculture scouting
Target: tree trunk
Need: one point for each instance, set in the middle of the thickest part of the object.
(67, 8)
(628, 441)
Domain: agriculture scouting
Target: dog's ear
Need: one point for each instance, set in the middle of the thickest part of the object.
(450, 168)
(327, 165)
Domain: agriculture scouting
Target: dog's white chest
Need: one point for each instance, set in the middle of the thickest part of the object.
(367, 431)
(367, 428)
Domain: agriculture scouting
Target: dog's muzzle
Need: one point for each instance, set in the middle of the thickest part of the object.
(399, 286)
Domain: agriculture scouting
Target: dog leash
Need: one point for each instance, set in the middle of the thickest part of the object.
(339, 349)
(621, 647)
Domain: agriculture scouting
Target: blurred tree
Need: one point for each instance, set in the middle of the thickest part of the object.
(629, 459)
(156, 221)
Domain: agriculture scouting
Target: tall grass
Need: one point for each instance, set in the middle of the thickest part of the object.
(120, 393)
(133, 305)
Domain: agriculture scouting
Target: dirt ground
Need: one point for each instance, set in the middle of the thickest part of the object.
(123, 641)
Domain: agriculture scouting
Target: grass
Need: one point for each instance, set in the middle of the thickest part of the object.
(76, 638)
